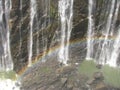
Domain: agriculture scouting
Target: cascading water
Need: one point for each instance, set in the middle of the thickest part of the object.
(90, 31)
(107, 50)
(45, 23)
(116, 45)
(21, 14)
(105, 55)
(115, 17)
(6, 63)
(66, 15)
(5, 56)
(115, 53)
(30, 45)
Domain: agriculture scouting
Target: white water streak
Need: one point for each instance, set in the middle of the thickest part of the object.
(90, 31)
(113, 60)
(6, 58)
(20, 33)
(66, 14)
(46, 22)
(115, 18)
(105, 54)
(116, 45)
(30, 45)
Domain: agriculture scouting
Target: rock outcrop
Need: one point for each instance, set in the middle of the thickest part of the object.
(51, 76)
(46, 28)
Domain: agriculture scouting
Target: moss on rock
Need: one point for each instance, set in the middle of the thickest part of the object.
(88, 68)
(111, 76)
(8, 75)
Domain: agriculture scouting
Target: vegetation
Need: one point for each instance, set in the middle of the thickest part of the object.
(8, 75)
(53, 11)
(111, 75)
(45, 69)
(88, 68)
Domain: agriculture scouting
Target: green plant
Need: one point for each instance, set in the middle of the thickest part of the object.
(111, 76)
(8, 75)
(45, 70)
(87, 68)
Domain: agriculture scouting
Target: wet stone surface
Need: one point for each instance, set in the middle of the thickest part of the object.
(51, 76)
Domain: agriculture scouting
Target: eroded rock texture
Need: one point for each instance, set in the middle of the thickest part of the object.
(46, 27)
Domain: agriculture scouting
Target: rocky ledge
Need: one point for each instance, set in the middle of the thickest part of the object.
(51, 75)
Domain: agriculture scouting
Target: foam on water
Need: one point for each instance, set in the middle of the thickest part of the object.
(8, 84)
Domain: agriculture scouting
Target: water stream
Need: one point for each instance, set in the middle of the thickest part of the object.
(5, 54)
(40, 36)
(30, 44)
(116, 45)
(66, 15)
(107, 50)
(90, 32)
(6, 63)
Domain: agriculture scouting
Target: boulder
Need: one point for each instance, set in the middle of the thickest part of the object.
(64, 81)
(98, 75)
(91, 81)
(101, 86)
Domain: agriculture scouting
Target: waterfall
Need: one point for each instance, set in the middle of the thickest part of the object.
(106, 51)
(116, 45)
(6, 62)
(45, 23)
(30, 44)
(109, 47)
(90, 31)
(66, 15)
(115, 53)
(105, 54)
(20, 29)
(115, 17)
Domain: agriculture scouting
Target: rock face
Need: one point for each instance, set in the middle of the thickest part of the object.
(51, 76)
(43, 29)
(46, 28)
(98, 75)
(46, 34)
(19, 32)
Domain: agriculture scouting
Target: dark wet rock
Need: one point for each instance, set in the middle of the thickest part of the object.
(20, 26)
(91, 81)
(101, 86)
(65, 70)
(69, 86)
(64, 81)
(44, 74)
(99, 66)
(51, 88)
(42, 88)
(50, 76)
(98, 83)
(98, 75)
(76, 89)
